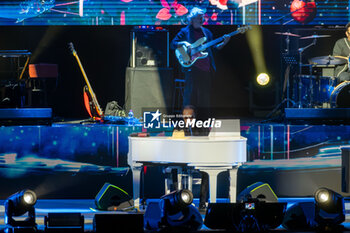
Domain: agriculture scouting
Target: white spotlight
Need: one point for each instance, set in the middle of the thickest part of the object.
(263, 79)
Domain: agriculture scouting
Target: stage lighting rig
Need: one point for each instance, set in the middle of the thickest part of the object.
(173, 211)
(176, 201)
(19, 204)
(325, 213)
(329, 207)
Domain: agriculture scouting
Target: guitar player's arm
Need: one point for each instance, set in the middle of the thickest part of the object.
(178, 39)
(224, 42)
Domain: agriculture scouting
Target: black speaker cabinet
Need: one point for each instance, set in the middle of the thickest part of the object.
(149, 48)
(122, 222)
(245, 217)
(148, 88)
(345, 165)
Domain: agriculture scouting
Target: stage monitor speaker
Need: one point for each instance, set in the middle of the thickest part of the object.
(111, 197)
(149, 48)
(118, 222)
(345, 165)
(259, 190)
(63, 222)
(148, 88)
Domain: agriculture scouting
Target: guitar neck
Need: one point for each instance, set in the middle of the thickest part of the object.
(88, 84)
(216, 41)
(84, 74)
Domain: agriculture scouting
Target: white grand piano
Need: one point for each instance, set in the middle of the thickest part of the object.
(212, 154)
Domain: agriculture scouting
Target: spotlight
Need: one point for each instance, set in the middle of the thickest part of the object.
(174, 210)
(177, 200)
(329, 207)
(263, 79)
(326, 213)
(18, 204)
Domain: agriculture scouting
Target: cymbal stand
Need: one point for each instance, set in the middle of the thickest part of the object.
(300, 51)
(289, 60)
(287, 88)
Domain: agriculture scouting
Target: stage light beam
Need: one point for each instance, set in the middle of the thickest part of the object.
(255, 43)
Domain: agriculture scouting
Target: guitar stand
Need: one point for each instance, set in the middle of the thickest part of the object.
(89, 121)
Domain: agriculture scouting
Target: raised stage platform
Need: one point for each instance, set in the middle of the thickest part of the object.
(67, 163)
(79, 158)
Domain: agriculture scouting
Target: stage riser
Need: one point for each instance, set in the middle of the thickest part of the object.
(317, 114)
(25, 116)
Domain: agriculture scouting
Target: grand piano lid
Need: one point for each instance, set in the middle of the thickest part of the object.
(228, 128)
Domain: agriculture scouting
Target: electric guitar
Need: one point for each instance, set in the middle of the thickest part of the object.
(187, 54)
(90, 100)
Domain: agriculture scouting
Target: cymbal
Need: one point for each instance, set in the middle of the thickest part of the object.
(315, 36)
(327, 60)
(286, 34)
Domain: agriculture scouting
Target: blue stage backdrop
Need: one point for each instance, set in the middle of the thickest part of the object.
(173, 12)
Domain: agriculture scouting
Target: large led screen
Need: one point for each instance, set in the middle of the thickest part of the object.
(173, 12)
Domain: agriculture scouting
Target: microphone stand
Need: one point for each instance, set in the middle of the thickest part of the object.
(300, 51)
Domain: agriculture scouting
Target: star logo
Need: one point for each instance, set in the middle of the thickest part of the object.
(152, 119)
(156, 115)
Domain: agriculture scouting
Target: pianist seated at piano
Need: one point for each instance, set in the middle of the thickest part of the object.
(188, 114)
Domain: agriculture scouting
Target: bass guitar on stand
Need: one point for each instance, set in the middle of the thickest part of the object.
(90, 101)
(187, 54)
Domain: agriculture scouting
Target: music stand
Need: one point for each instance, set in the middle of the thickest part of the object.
(290, 60)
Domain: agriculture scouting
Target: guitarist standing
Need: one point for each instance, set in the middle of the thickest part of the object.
(198, 77)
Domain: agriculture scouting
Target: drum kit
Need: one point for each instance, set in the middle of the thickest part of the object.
(315, 90)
